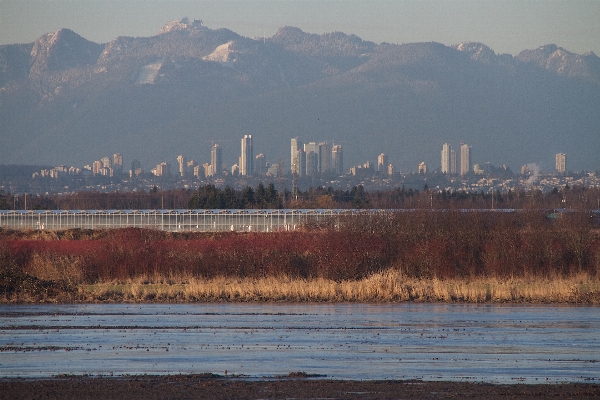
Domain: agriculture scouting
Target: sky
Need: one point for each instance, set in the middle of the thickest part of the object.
(507, 26)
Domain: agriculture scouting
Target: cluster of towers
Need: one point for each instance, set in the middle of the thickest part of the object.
(107, 166)
(449, 162)
(312, 159)
(245, 166)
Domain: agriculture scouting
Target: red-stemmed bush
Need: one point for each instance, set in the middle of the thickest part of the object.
(423, 244)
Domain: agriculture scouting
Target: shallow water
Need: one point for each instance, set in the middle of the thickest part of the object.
(491, 343)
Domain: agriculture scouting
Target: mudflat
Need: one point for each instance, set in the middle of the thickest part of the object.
(223, 387)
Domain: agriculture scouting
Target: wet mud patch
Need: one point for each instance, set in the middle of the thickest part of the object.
(210, 386)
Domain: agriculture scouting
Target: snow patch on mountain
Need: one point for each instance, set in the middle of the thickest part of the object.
(222, 54)
(477, 51)
(182, 25)
(148, 73)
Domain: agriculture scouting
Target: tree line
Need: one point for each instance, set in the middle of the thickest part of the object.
(268, 197)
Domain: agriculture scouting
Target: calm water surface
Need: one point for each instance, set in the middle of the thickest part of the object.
(491, 343)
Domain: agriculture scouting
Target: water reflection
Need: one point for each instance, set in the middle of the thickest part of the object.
(491, 343)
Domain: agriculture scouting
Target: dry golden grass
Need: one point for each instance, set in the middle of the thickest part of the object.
(388, 286)
(56, 268)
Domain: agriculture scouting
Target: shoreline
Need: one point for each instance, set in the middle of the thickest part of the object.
(294, 385)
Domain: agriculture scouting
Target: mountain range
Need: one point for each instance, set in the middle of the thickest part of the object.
(67, 100)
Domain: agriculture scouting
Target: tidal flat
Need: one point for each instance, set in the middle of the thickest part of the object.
(492, 343)
(324, 350)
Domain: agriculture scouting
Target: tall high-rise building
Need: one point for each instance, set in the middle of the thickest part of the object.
(452, 161)
(182, 165)
(191, 165)
(295, 146)
(301, 159)
(97, 167)
(136, 168)
(382, 163)
(106, 162)
(561, 163)
(207, 170)
(162, 169)
(337, 160)
(216, 160)
(118, 163)
(312, 164)
(247, 156)
(324, 155)
(310, 146)
(311, 152)
(465, 159)
(445, 158)
(260, 165)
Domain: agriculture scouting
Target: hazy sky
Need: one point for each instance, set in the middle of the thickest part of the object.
(507, 26)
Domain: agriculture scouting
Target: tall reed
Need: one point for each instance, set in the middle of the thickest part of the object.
(386, 286)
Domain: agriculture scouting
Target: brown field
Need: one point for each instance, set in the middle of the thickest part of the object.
(420, 256)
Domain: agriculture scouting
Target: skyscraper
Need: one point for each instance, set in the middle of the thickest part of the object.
(207, 170)
(312, 164)
(191, 165)
(324, 154)
(97, 166)
(452, 161)
(337, 160)
(216, 159)
(106, 162)
(465, 158)
(301, 163)
(561, 163)
(136, 168)
(247, 156)
(260, 166)
(310, 146)
(445, 158)
(182, 165)
(311, 152)
(382, 163)
(162, 169)
(118, 163)
(294, 164)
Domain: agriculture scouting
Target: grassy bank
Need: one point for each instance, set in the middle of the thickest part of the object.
(420, 256)
(386, 286)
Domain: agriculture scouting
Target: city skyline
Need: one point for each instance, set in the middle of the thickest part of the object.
(306, 159)
(107, 175)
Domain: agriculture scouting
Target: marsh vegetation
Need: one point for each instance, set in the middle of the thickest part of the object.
(520, 256)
